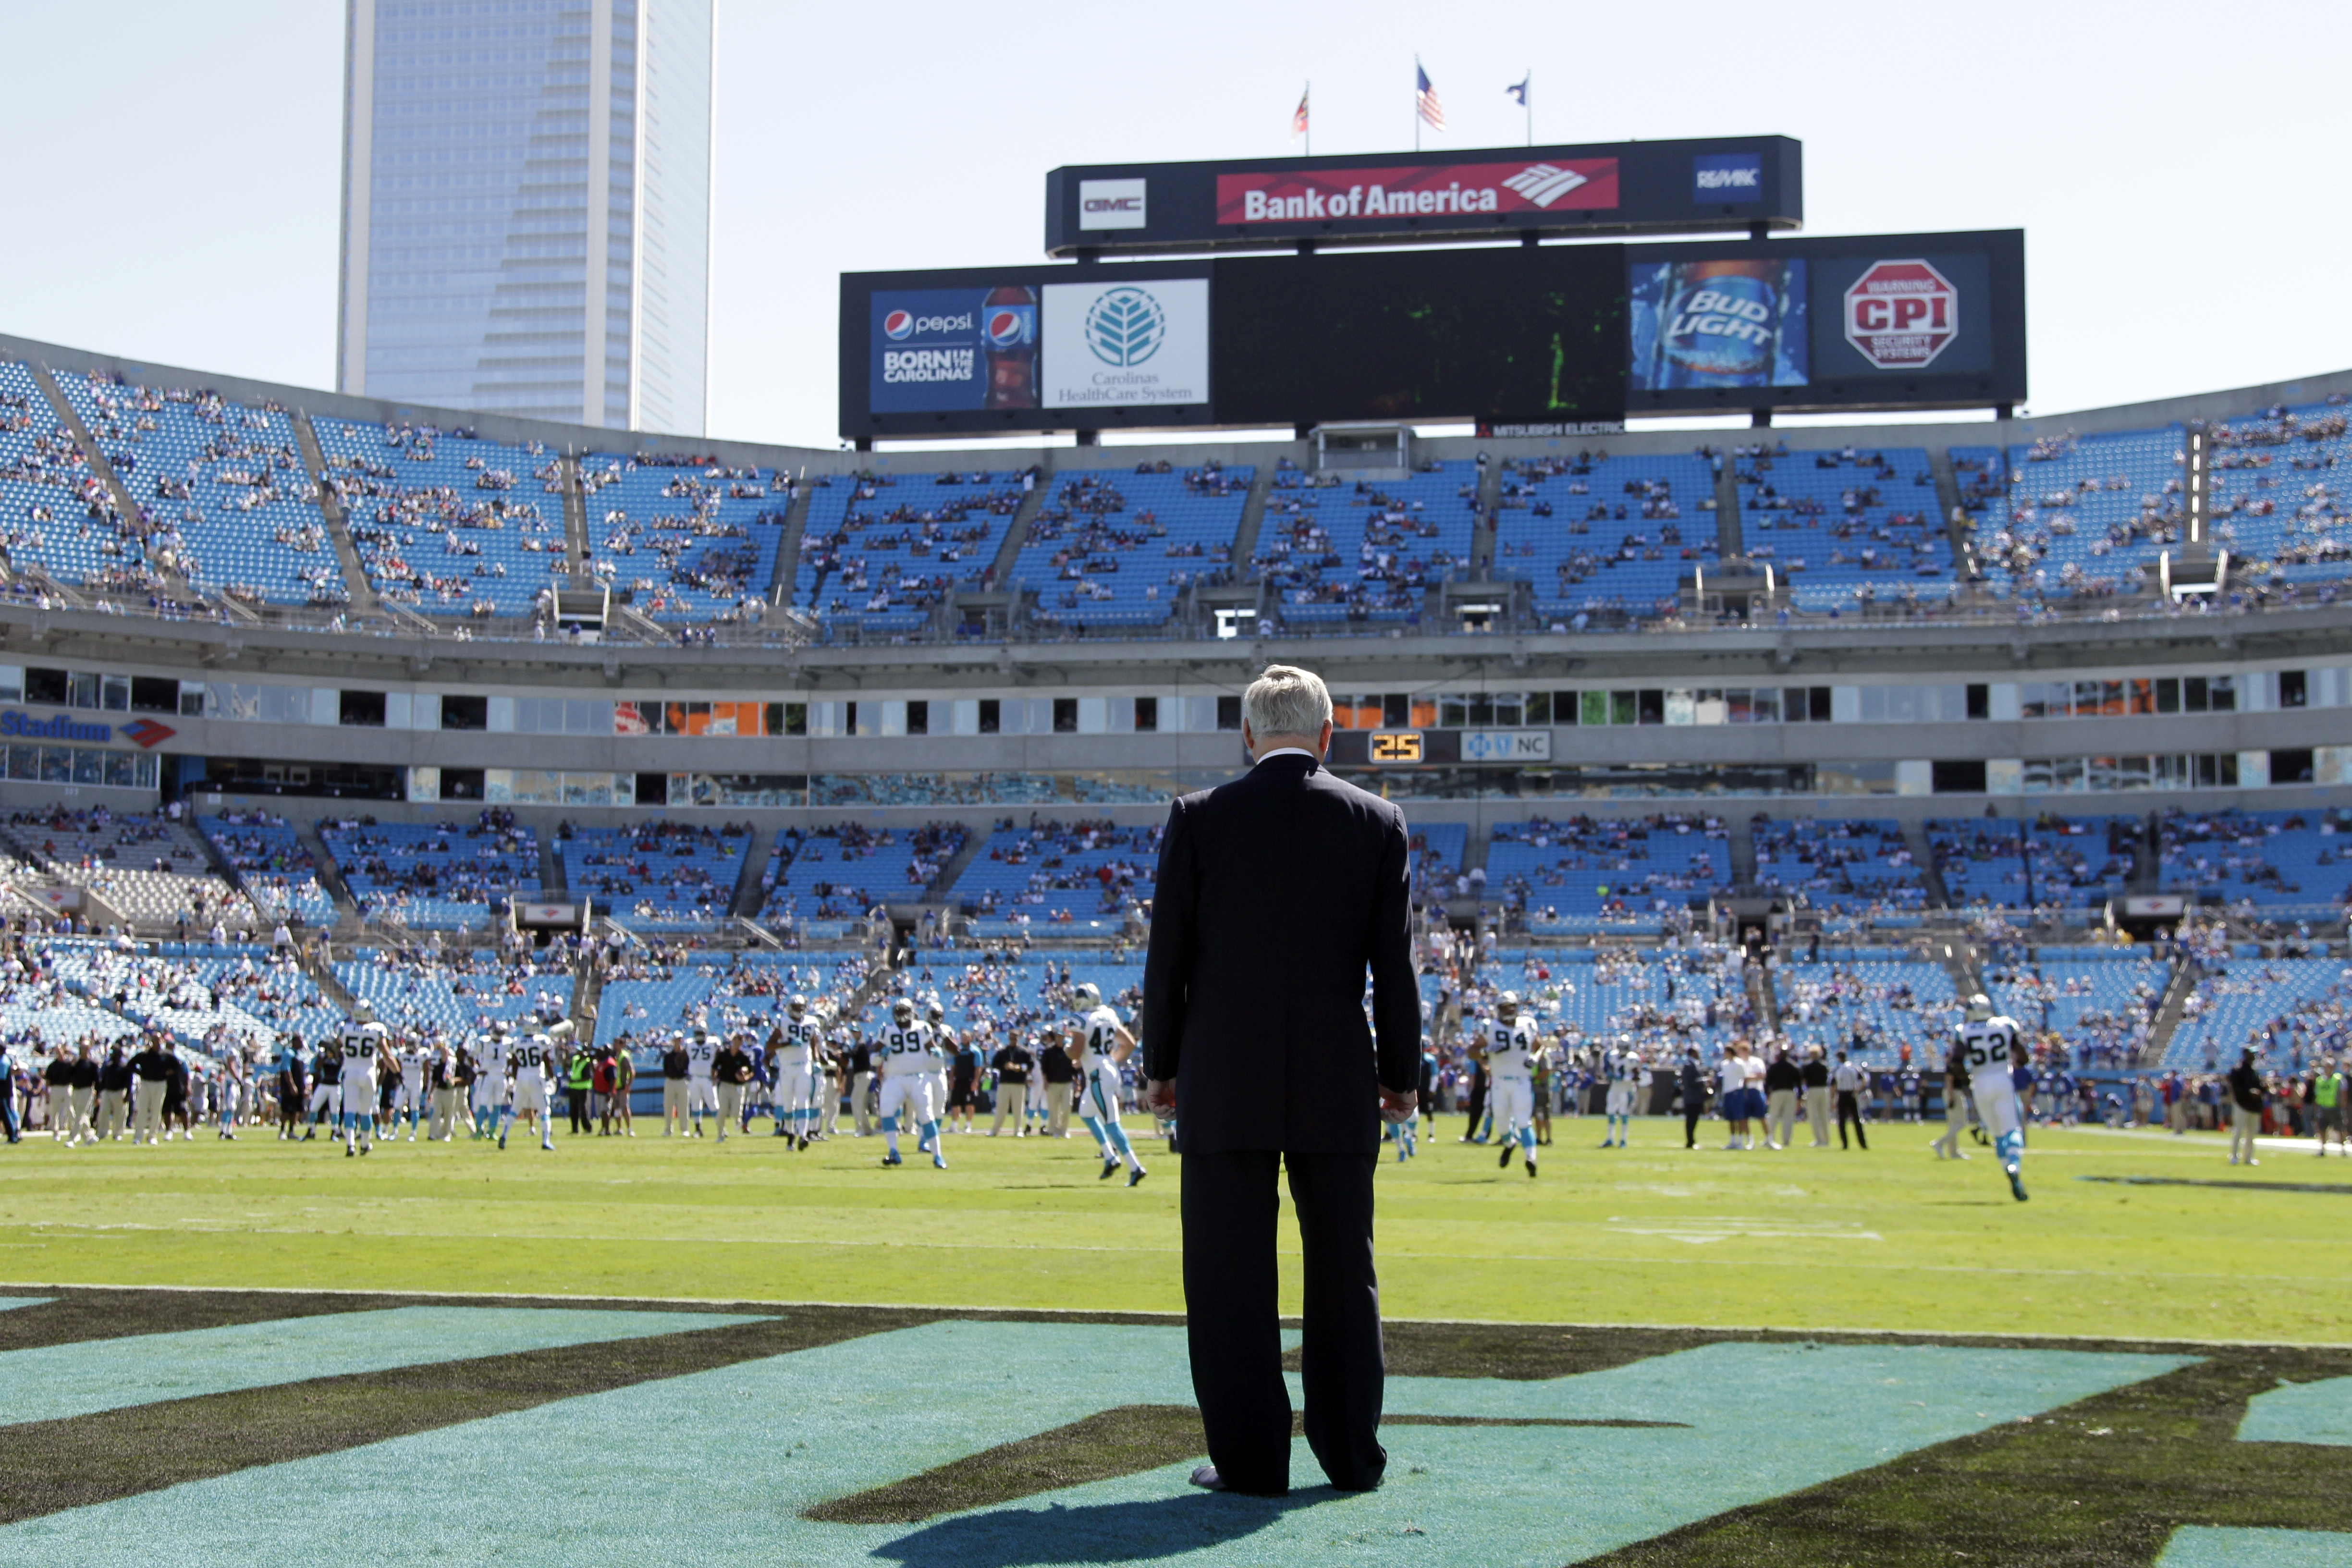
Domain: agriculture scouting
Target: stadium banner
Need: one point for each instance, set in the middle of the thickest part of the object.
(1741, 184)
(968, 352)
(1876, 322)
(1114, 344)
(1525, 340)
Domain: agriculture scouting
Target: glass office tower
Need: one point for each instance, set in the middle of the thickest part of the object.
(527, 207)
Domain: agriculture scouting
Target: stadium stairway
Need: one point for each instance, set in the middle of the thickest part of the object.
(749, 894)
(1016, 534)
(1763, 995)
(175, 584)
(1480, 565)
(554, 887)
(1740, 847)
(1923, 855)
(575, 520)
(1947, 497)
(1253, 516)
(1730, 543)
(778, 590)
(316, 964)
(338, 522)
(943, 885)
(2177, 991)
(331, 876)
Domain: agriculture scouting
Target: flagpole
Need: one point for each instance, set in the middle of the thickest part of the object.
(1528, 103)
(1416, 103)
(1307, 97)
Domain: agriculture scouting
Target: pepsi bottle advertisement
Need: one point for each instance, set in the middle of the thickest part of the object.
(945, 350)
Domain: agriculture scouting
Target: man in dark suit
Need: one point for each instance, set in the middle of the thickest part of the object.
(1274, 893)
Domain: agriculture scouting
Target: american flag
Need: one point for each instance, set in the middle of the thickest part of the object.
(1424, 99)
(1298, 120)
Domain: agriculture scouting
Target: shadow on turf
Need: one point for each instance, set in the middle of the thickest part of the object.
(1096, 1532)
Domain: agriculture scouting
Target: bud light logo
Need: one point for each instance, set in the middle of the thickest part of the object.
(1009, 326)
(897, 324)
(1726, 177)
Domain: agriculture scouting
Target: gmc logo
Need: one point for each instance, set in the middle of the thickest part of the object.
(1114, 205)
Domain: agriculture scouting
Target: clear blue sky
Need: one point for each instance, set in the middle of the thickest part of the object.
(2177, 170)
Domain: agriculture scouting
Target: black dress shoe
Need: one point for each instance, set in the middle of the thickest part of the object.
(1207, 1480)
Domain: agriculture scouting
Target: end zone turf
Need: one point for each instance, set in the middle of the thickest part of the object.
(2188, 1246)
(764, 1433)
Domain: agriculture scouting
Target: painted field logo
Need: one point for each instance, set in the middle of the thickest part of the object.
(1899, 315)
(1126, 327)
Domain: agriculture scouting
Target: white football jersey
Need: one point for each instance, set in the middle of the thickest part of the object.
(1097, 1032)
(1626, 1068)
(359, 1043)
(1511, 1047)
(700, 1051)
(798, 1053)
(905, 1051)
(1985, 1046)
(412, 1068)
(534, 1060)
(492, 1054)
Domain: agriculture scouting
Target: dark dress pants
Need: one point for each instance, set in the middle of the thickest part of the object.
(1229, 1208)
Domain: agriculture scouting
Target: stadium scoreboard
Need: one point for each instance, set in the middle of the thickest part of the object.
(1737, 183)
(1522, 339)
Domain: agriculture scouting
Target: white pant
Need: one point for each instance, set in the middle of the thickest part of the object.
(1099, 1099)
(1996, 1099)
(797, 1090)
(1621, 1100)
(2243, 1125)
(531, 1094)
(147, 1109)
(912, 1095)
(357, 1095)
(701, 1096)
(1513, 1101)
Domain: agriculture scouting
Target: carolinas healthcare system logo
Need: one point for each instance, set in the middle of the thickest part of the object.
(1126, 327)
(147, 733)
(897, 324)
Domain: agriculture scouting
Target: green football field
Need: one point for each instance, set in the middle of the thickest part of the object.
(2128, 1234)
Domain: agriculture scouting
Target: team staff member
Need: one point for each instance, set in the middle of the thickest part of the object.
(1956, 1107)
(2327, 1097)
(152, 1069)
(730, 1070)
(2248, 1100)
(624, 1080)
(1816, 1073)
(1276, 893)
(676, 1065)
(1782, 1079)
(1848, 1080)
(84, 1089)
(1061, 1075)
(1012, 1061)
(1692, 1081)
(579, 1076)
(441, 1080)
(59, 1077)
(861, 1079)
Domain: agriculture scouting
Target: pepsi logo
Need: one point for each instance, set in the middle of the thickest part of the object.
(897, 324)
(1007, 329)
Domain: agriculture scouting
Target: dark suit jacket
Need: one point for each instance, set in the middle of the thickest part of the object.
(1275, 892)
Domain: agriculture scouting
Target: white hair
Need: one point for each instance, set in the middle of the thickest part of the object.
(1286, 700)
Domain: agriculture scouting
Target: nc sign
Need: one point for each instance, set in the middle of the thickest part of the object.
(1507, 745)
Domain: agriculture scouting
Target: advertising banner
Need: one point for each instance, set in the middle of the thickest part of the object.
(1744, 183)
(1718, 323)
(949, 349)
(1116, 343)
(1422, 190)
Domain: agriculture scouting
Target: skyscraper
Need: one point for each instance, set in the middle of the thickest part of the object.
(527, 207)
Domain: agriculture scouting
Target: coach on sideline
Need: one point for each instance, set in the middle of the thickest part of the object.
(1273, 893)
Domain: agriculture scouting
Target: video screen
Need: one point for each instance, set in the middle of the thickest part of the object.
(1725, 322)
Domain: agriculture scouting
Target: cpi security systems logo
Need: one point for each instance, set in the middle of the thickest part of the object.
(1126, 327)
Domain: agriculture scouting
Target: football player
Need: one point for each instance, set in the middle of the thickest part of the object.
(492, 1076)
(1506, 1043)
(904, 1060)
(364, 1045)
(413, 1060)
(533, 1059)
(792, 1055)
(701, 1092)
(1991, 1047)
(1622, 1066)
(1100, 1044)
